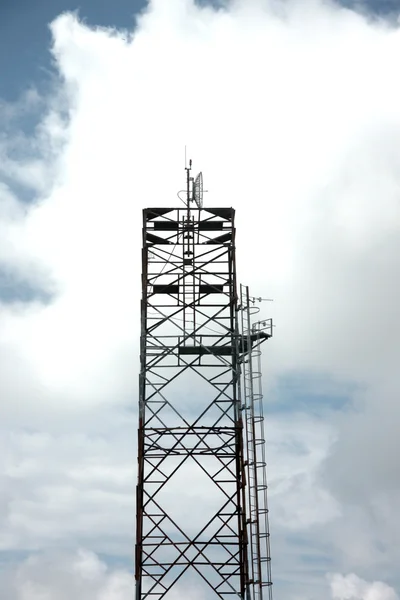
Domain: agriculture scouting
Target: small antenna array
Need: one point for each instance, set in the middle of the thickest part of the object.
(194, 188)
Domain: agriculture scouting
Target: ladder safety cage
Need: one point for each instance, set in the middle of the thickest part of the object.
(253, 334)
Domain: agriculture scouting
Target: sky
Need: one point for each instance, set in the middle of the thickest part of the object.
(290, 109)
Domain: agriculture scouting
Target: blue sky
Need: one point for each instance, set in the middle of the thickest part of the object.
(25, 36)
(70, 198)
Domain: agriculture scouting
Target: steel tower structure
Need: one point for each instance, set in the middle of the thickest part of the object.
(200, 411)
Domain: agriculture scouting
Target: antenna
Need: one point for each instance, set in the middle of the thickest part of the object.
(253, 299)
(198, 190)
(188, 181)
(194, 187)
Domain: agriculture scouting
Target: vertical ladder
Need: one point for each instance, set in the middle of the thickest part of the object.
(189, 284)
(257, 509)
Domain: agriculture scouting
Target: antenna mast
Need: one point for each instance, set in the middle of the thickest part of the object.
(188, 182)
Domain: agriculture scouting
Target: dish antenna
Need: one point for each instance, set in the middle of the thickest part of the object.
(198, 190)
(194, 189)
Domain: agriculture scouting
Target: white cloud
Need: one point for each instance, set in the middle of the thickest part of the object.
(351, 587)
(62, 576)
(291, 111)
